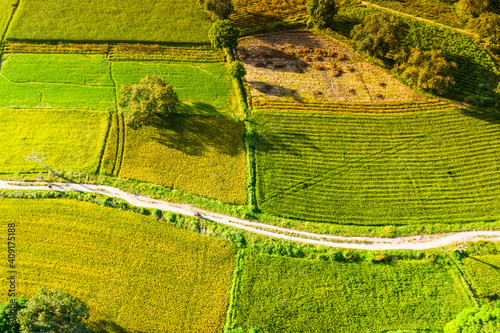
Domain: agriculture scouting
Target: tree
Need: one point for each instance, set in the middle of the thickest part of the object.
(322, 12)
(379, 34)
(224, 35)
(473, 8)
(220, 8)
(150, 98)
(236, 69)
(487, 26)
(428, 70)
(54, 311)
(7, 312)
(476, 320)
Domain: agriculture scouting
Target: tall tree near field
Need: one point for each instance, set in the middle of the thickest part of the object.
(220, 8)
(322, 12)
(54, 311)
(151, 97)
(224, 35)
(476, 320)
(428, 70)
(7, 325)
(487, 26)
(379, 34)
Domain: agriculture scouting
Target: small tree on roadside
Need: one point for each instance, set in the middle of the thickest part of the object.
(379, 34)
(476, 320)
(224, 35)
(151, 97)
(220, 8)
(428, 70)
(322, 12)
(236, 69)
(487, 27)
(54, 311)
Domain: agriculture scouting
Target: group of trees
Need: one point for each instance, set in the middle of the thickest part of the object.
(48, 311)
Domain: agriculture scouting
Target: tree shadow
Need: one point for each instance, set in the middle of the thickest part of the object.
(106, 326)
(273, 89)
(198, 108)
(489, 115)
(295, 144)
(193, 134)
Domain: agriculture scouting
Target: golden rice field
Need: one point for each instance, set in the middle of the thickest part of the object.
(136, 273)
(196, 154)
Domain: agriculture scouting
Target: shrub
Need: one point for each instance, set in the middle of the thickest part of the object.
(476, 320)
(224, 35)
(236, 69)
(322, 12)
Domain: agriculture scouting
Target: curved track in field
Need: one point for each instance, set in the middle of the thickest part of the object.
(419, 242)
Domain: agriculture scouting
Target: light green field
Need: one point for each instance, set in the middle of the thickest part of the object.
(111, 20)
(72, 140)
(484, 274)
(56, 81)
(88, 69)
(196, 154)
(6, 8)
(426, 168)
(205, 85)
(136, 273)
(282, 294)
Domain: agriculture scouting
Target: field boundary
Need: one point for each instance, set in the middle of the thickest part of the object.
(10, 20)
(120, 143)
(417, 242)
(234, 291)
(465, 281)
(103, 149)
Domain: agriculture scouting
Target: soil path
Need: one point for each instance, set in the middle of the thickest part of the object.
(420, 19)
(420, 242)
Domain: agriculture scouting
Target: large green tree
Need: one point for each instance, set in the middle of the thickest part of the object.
(322, 12)
(379, 34)
(476, 320)
(151, 97)
(428, 70)
(224, 35)
(54, 311)
(487, 26)
(8, 311)
(220, 8)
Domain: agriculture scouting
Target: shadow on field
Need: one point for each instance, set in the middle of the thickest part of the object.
(194, 134)
(199, 108)
(486, 263)
(103, 326)
(295, 143)
(490, 115)
(273, 89)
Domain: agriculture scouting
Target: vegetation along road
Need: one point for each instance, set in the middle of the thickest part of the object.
(420, 242)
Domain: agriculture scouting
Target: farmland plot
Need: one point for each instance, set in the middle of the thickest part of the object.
(71, 140)
(118, 261)
(281, 294)
(305, 66)
(483, 272)
(56, 80)
(116, 20)
(436, 167)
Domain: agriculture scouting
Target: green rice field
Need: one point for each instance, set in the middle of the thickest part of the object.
(282, 294)
(71, 140)
(423, 168)
(56, 81)
(136, 273)
(205, 85)
(6, 8)
(110, 20)
(196, 154)
(484, 273)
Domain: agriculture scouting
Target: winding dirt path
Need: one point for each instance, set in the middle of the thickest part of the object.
(420, 242)
(420, 19)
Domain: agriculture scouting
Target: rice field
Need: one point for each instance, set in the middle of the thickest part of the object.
(483, 271)
(172, 21)
(204, 86)
(282, 294)
(56, 81)
(136, 273)
(6, 9)
(71, 140)
(373, 170)
(196, 154)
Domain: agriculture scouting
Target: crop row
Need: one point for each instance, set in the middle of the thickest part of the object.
(202, 53)
(56, 48)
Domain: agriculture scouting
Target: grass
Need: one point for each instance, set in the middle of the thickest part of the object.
(196, 154)
(282, 294)
(373, 170)
(205, 86)
(72, 140)
(483, 271)
(91, 70)
(56, 81)
(6, 9)
(119, 262)
(111, 20)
